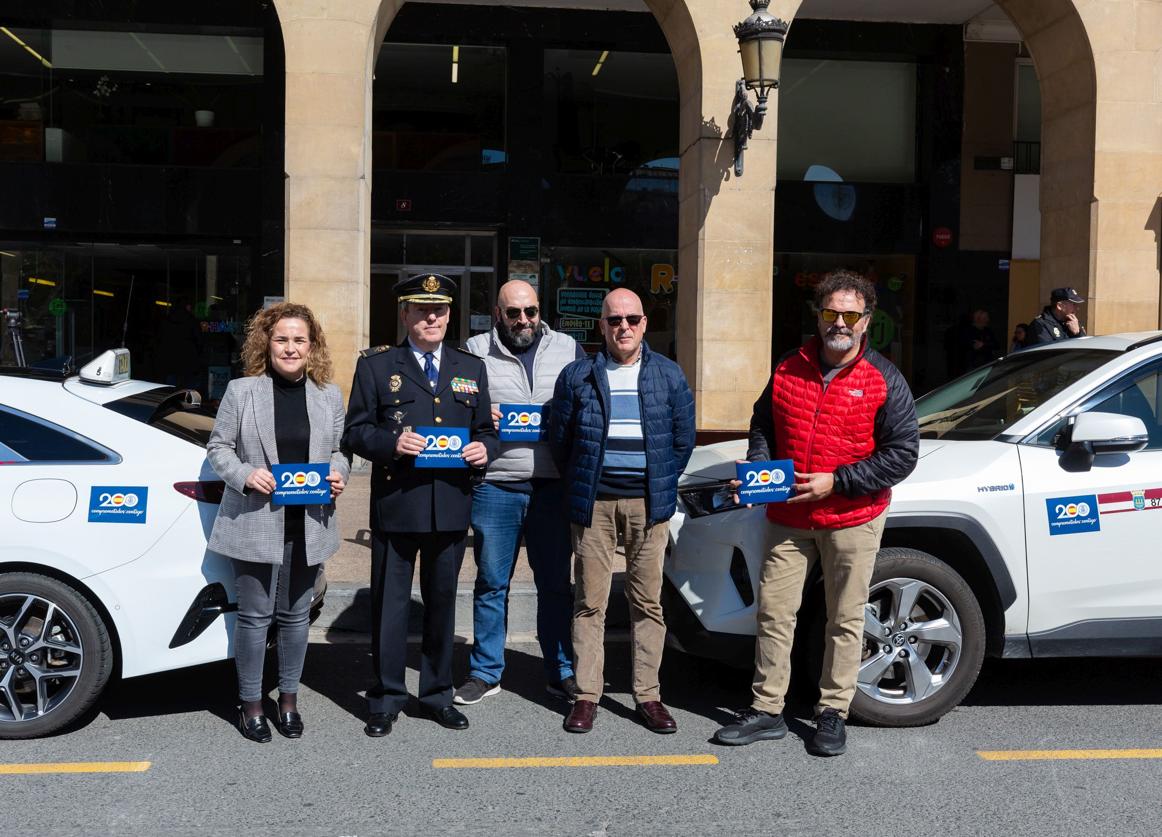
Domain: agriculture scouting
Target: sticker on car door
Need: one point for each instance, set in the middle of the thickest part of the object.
(1073, 515)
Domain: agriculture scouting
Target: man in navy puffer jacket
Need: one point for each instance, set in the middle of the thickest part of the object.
(621, 430)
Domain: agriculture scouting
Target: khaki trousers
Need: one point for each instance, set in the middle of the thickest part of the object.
(593, 550)
(848, 558)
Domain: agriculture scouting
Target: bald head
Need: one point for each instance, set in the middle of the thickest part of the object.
(624, 339)
(517, 298)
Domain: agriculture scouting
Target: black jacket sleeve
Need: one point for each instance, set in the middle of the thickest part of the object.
(762, 427)
(362, 434)
(897, 436)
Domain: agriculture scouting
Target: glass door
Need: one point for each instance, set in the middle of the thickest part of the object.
(467, 257)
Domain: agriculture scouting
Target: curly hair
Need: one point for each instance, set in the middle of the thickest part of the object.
(256, 349)
(846, 280)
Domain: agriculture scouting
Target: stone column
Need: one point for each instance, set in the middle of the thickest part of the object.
(1124, 292)
(330, 54)
(725, 223)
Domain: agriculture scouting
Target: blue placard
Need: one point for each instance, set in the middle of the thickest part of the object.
(1072, 515)
(444, 447)
(520, 422)
(301, 484)
(118, 503)
(768, 481)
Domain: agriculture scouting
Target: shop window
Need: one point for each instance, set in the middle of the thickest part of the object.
(855, 121)
(438, 108)
(134, 96)
(180, 311)
(894, 277)
(575, 281)
(613, 113)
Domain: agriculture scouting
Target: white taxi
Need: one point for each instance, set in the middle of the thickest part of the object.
(106, 504)
(1026, 530)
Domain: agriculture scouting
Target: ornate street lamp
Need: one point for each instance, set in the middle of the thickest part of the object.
(760, 42)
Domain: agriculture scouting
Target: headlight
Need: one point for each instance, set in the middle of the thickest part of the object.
(707, 498)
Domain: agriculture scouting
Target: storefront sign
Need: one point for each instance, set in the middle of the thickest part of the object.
(57, 307)
(580, 302)
(942, 236)
(524, 249)
(662, 279)
(603, 274)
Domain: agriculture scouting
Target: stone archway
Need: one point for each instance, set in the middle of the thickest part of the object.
(1060, 48)
(726, 225)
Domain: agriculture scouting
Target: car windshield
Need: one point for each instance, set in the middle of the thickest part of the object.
(986, 402)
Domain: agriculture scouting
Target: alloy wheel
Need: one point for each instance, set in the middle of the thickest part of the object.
(41, 656)
(912, 642)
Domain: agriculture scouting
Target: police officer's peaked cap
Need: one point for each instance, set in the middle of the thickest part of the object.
(426, 287)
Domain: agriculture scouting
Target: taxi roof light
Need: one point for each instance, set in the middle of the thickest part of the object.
(111, 367)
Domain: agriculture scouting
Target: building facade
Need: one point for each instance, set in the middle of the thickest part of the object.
(170, 178)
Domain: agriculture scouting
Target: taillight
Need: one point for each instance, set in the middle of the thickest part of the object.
(205, 491)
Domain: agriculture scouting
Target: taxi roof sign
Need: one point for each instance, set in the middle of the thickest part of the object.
(110, 367)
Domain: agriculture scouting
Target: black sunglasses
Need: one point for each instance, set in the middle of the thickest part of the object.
(850, 318)
(632, 319)
(530, 312)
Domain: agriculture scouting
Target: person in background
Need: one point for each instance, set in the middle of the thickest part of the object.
(978, 342)
(1020, 335)
(286, 410)
(1057, 320)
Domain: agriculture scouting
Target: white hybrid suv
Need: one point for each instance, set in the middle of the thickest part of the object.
(1025, 531)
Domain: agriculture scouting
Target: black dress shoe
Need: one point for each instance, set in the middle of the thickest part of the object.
(290, 724)
(256, 729)
(379, 724)
(450, 717)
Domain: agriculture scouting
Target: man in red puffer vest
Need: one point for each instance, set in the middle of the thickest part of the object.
(844, 414)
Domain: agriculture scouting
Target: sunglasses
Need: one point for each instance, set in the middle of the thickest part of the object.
(514, 313)
(632, 319)
(850, 318)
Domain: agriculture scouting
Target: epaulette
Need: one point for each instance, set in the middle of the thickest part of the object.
(374, 350)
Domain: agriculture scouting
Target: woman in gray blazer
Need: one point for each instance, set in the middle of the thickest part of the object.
(285, 411)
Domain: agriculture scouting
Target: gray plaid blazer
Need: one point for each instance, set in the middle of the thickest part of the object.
(249, 527)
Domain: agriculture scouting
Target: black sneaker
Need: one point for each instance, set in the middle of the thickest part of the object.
(565, 689)
(751, 725)
(475, 690)
(830, 738)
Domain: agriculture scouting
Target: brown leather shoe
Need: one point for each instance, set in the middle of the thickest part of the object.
(657, 717)
(581, 716)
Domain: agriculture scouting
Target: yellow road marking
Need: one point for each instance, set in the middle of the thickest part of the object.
(1068, 755)
(75, 767)
(580, 761)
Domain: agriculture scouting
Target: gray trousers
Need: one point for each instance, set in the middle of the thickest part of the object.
(281, 592)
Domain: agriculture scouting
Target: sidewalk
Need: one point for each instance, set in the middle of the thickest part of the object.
(348, 605)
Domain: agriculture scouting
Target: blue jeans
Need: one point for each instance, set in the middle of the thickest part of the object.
(499, 518)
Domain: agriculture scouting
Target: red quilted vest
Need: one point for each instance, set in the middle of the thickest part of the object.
(820, 431)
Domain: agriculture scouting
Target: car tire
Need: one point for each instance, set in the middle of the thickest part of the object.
(945, 610)
(47, 620)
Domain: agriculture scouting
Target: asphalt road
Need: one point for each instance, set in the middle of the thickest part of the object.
(202, 777)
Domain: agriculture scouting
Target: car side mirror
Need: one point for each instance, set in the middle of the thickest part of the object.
(1100, 434)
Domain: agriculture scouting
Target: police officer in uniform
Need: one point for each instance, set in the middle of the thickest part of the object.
(420, 383)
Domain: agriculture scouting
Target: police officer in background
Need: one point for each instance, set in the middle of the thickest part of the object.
(1058, 320)
(425, 511)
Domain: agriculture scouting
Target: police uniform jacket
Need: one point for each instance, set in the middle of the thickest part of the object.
(391, 394)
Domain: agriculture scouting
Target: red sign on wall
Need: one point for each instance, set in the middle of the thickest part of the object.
(942, 236)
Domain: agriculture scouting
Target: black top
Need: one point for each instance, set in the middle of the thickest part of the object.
(292, 436)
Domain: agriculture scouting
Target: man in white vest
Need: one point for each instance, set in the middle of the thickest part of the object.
(522, 495)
